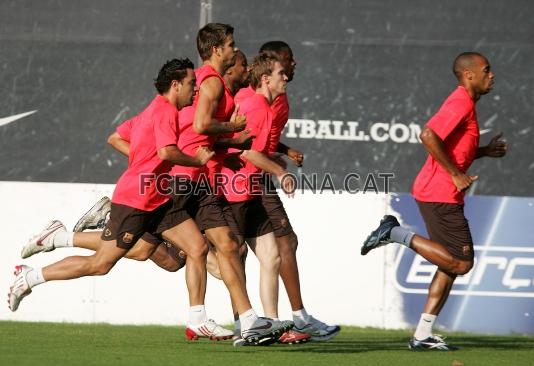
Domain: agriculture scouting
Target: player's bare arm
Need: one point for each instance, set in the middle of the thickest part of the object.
(174, 155)
(243, 141)
(263, 162)
(119, 144)
(211, 90)
(434, 146)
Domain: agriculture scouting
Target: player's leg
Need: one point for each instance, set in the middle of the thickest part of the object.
(266, 251)
(390, 231)
(445, 224)
(69, 268)
(306, 326)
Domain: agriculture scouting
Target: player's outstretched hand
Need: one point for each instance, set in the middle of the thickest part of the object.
(496, 147)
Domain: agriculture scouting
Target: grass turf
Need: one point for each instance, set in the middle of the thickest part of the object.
(44, 344)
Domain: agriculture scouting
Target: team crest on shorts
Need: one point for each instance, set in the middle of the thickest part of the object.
(107, 232)
(283, 222)
(127, 238)
(466, 249)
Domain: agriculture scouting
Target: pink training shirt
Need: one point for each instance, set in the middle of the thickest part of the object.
(456, 124)
(190, 140)
(259, 121)
(280, 109)
(152, 129)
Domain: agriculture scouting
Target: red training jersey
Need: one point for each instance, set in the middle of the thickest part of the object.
(190, 140)
(280, 109)
(456, 124)
(259, 115)
(152, 129)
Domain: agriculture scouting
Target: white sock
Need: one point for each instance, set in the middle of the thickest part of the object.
(424, 328)
(301, 318)
(63, 239)
(276, 319)
(197, 314)
(35, 277)
(248, 318)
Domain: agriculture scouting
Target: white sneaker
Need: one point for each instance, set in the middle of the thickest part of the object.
(319, 331)
(44, 241)
(96, 217)
(208, 329)
(20, 288)
(263, 332)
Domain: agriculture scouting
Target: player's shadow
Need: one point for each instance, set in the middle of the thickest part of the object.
(508, 343)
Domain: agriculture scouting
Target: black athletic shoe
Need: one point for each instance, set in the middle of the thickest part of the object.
(434, 342)
(381, 236)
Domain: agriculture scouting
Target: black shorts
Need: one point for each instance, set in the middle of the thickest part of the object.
(228, 214)
(276, 211)
(127, 224)
(251, 218)
(447, 225)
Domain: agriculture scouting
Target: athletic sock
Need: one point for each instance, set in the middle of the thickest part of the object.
(35, 277)
(301, 318)
(63, 239)
(424, 328)
(248, 318)
(197, 314)
(401, 235)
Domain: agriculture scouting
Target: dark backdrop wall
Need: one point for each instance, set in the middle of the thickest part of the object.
(85, 66)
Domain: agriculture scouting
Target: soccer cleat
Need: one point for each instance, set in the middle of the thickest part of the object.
(96, 217)
(265, 331)
(319, 331)
(380, 236)
(20, 288)
(293, 336)
(208, 329)
(434, 342)
(44, 241)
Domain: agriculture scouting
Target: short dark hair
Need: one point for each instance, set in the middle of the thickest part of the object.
(262, 64)
(275, 46)
(462, 61)
(212, 35)
(175, 69)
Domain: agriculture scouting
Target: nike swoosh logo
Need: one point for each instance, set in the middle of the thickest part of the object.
(6, 120)
(267, 325)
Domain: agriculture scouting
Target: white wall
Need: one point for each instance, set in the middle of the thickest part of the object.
(338, 285)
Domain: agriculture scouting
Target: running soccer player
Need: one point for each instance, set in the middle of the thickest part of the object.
(451, 138)
(305, 324)
(152, 137)
(211, 116)
(241, 187)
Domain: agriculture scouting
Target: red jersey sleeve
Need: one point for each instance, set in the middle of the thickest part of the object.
(125, 129)
(450, 115)
(259, 122)
(166, 129)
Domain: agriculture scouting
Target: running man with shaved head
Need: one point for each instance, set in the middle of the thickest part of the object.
(451, 138)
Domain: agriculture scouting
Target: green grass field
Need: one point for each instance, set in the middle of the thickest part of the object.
(40, 344)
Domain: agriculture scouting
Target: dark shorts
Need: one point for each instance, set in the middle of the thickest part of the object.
(276, 211)
(228, 214)
(251, 218)
(447, 225)
(194, 200)
(126, 225)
